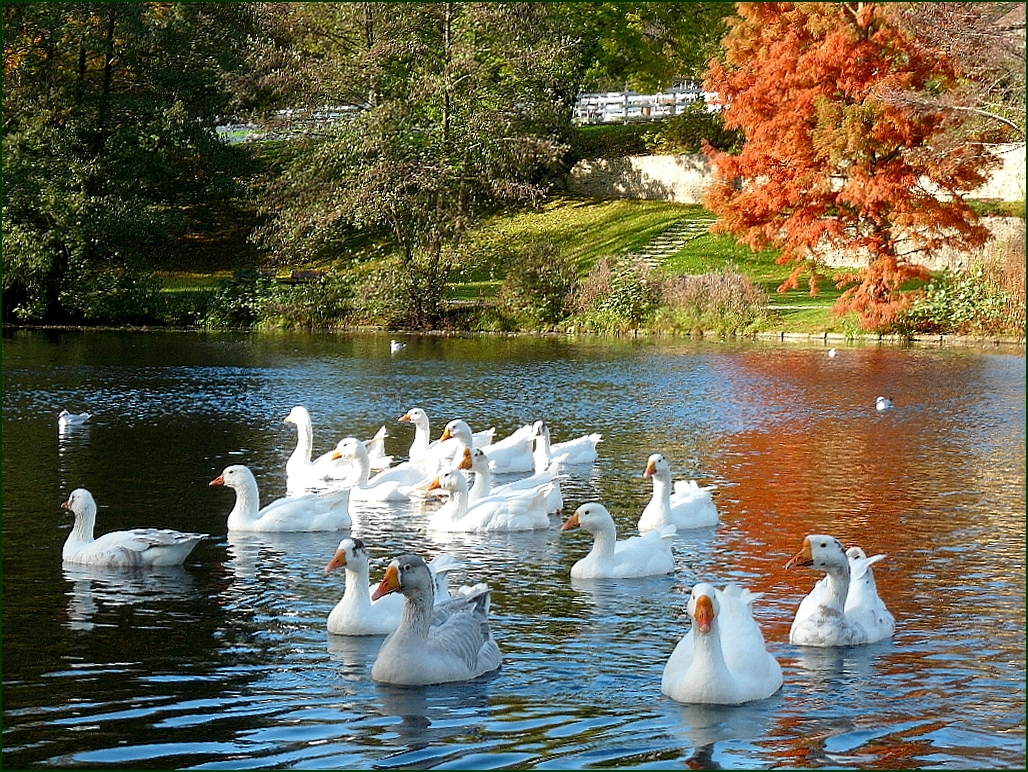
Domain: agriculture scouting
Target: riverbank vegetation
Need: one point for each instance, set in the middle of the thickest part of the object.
(433, 195)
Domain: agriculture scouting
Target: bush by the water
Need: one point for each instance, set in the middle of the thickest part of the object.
(618, 295)
(723, 302)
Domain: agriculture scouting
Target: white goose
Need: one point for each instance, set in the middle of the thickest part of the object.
(646, 555)
(826, 617)
(435, 643)
(133, 548)
(434, 455)
(723, 659)
(477, 462)
(690, 506)
(518, 511)
(396, 346)
(66, 420)
(302, 472)
(329, 511)
(512, 454)
(356, 613)
(393, 484)
(581, 450)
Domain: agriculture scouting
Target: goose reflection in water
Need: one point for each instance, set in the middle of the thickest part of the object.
(97, 588)
(427, 716)
(707, 727)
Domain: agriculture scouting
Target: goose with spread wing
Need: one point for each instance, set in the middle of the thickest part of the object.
(434, 643)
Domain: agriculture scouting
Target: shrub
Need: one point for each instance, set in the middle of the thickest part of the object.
(689, 130)
(535, 293)
(617, 296)
(968, 303)
(110, 296)
(723, 302)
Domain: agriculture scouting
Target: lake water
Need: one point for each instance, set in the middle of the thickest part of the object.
(226, 662)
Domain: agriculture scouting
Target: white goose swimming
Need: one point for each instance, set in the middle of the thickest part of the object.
(827, 616)
(477, 462)
(517, 511)
(435, 455)
(122, 549)
(610, 558)
(690, 506)
(581, 450)
(435, 643)
(512, 454)
(327, 511)
(393, 484)
(302, 472)
(356, 613)
(723, 659)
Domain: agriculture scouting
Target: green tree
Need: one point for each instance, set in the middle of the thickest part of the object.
(108, 142)
(460, 108)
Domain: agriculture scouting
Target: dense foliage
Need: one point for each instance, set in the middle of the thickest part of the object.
(829, 161)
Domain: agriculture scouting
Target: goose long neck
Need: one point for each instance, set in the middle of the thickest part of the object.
(838, 585)
(82, 531)
(363, 464)
(304, 442)
(541, 452)
(422, 438)
(247, 503)
(662, 491)
(417, 613)
(357, 585)
(459, 500)
(483, 483)
(708, 656)
(604, 540)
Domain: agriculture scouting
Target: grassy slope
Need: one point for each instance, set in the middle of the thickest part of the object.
(589, 229)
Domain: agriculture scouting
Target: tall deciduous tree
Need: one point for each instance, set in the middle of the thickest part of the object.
(829, 162)
(461, 108)
(108, 140)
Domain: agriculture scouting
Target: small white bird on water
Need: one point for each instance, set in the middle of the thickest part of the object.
(66, 419)
(883, 403)
(832, 352)
(396, 346)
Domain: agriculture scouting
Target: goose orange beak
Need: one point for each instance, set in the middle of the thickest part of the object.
(338, 560)
(66, 505)
(336, 455)
(391, 583)
(571, 524)
(404, 417)
(651, 469)
(704, 613)
(465, 463)
(219, 480)
(434, 485)
(446, 435)
(802, 558)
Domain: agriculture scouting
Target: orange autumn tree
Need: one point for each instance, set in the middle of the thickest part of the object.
(830, 160)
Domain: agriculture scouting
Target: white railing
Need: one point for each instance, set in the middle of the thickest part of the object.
(627, 106)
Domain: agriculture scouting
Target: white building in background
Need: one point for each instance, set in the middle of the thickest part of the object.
(629, 106)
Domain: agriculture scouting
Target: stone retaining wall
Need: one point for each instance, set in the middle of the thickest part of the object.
(684, 179)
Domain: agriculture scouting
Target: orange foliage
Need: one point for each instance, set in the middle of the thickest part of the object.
(829, 162)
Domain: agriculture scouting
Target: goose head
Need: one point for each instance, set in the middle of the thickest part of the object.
(237, 477)
(349, 448)
(81, 504)
(657, 466)
(820, 552)
(591, 517)
(703, 606)
(407, 574)
(452, 481)
(350, 553)
(299, 416)
(474, 459)
(459, 429)
(416, 416)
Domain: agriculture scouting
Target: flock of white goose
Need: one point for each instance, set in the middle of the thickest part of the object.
(436, 634)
